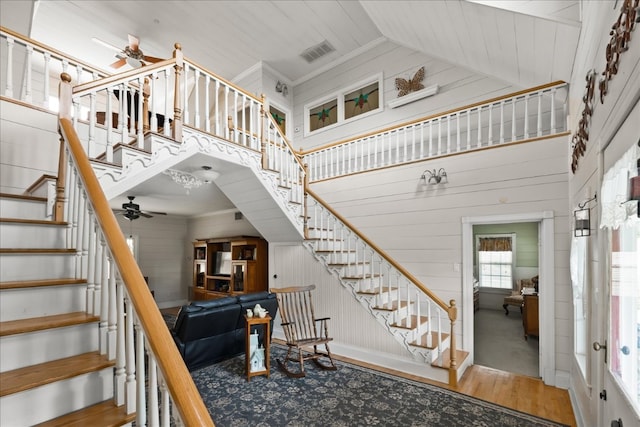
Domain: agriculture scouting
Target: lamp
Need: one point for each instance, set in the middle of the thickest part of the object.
(206, 174)
(582, 218)
(434, 177)
(282, 88)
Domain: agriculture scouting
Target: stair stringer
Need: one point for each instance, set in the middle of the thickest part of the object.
(385, 318)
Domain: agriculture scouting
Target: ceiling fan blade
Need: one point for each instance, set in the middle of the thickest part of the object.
(155, 213)
(134, 43)
(119, 63)
(107, 45)
(144, 214)
(152, 59)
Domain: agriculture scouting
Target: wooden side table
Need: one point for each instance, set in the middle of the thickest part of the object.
(249, 322)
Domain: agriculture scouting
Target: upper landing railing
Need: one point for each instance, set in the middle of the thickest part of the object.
(520, 116)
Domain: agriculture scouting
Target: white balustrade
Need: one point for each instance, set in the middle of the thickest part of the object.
(478, 125)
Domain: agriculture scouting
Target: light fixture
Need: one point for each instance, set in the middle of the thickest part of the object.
(206, 174)
(186, 179)
(434, 177)
(582, 218)
(282, 88)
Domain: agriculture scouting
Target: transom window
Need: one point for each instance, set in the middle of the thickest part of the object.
(495, 260)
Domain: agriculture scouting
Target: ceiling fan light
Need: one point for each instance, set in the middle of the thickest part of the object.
(134, 63)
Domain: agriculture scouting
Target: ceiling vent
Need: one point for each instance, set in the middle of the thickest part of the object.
(317, 51)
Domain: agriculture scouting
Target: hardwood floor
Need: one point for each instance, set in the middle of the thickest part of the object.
(519, 392)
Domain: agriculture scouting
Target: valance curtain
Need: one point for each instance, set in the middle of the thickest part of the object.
(495, 244)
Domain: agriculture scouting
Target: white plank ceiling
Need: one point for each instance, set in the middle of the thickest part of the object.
(522, 42)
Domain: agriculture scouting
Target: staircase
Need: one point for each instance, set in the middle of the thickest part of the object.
(52, 371)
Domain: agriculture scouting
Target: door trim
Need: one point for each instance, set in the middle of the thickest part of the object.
(546, 254)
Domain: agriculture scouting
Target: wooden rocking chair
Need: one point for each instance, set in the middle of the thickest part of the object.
(301, 330)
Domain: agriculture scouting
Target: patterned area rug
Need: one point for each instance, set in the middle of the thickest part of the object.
(350, 396)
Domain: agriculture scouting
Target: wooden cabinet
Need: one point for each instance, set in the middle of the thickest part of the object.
(229, 266)
(530, 315)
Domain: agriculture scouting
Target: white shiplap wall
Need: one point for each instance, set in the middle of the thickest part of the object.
(457, 87)
(28, 146)
(421, 225)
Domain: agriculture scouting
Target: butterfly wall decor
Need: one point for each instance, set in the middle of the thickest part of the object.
(414, 84)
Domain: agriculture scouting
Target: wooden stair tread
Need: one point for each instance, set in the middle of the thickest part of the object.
(23, 197)
(56, 370)
(413, 322)
(13, 327)
(394, 306)
(445, 362)
(33, 221)
(376, 291)
(105, 414)
(362, 276)
(21, 284)
(422, 341)
(27, 251)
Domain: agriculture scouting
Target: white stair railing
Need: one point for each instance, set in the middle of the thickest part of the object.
(412, 311)
(27, 66)
(132, 331)
(533, 113)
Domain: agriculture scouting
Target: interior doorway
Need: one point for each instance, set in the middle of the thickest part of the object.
(506, 265)
(546, 298)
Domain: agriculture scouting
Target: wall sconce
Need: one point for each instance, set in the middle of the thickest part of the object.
(582, 217)
(282, 88)
(434, 177)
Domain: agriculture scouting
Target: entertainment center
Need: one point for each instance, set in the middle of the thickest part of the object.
(229, 266)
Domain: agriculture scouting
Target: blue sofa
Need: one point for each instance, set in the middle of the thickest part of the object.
(207, 332)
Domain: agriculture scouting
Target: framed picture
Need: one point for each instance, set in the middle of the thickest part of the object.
(323, 115)
(280, 118)
(361, 100)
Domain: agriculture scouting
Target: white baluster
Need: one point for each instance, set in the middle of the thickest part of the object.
(47, 89)
(97, 273)
(429, 341)
(27, 81)
(217, 110)
(196, 90)
(8, 90)
(109, 123)
(185, 93)
(539, 127)
(458, 132)
(92, 123)
(468, 129)
(526, 117)
(502, 122)
(440, 136)
(130, 355)
(91, 258)
(226, 111)
(430, 138)
(112, 310)
(141, 403)
(513, 119)
(167, 107)
(479, 127)
(139, 109)
(120, 373)
(553, 110)
(449, 134)
(207, 110)
(165, 416)
(490, 124)
(104, 298)
(153, 122)
(153, 407)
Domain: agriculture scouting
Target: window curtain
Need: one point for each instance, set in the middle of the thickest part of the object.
(616, 209)
(578, 268)
(495, 244)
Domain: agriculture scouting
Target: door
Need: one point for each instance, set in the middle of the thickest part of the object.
(619, 356)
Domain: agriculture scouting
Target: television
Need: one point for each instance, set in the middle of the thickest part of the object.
(223, 264)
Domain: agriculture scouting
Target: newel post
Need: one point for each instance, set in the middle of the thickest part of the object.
(64, 112)
(453, 365)
(177, 94)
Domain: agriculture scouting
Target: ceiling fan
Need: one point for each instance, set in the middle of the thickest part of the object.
(132, 210)
(131, 54)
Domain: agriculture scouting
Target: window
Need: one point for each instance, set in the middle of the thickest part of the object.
(132, 242)
(495, 260)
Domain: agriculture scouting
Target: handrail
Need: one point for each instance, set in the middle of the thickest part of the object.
(436, 115)
(448, 308)
(52, 50)
(183, 391)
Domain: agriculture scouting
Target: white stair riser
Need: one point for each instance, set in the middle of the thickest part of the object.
(18, 351)
(36, 266)
(354, 270)
(53, 400)
(341, 257)
(14, 235)
(43, 301)
(321, 234)
(24, 209)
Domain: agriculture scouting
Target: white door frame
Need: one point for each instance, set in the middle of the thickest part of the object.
(546, 254)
